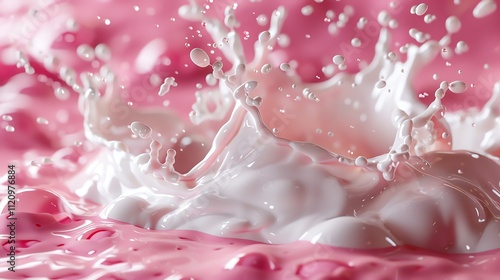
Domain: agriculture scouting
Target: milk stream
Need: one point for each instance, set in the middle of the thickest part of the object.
(354, 161)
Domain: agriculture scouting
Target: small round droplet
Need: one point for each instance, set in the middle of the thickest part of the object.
(355, 42)
(61, 93)
(262, 20)
(457, 87)
(85, 52)
(141, 129)
(10, 128)
(421, 9)
(307, 10)
(102, 52)
(338, 59)
(199, 57)
(7, 118)
(453, 24)
(428, 18)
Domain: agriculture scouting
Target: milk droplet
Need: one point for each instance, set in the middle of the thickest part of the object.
(421, 9)
(484, 8)
(283, 40)
(453, 24)
(7, 118)
(461, 47)
(102, 52)
(355, 42)
(165, 87)
(393, 23)
(428, 18)
(338, 59)
(140, 129)
(199, 57)
(307, 10)
(41, 120)
(72, 25)
(457, 87)
(10, 128)
(85, 52)
(211, 80)
(413, 9)
(262, 20)
(285, 67)
(361, 23)
(61, 93)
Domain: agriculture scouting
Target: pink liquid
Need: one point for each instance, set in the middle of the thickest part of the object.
(67, 226)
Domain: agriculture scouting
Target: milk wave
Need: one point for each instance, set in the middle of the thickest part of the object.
(270, 176)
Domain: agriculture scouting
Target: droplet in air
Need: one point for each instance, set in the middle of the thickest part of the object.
(85, 52)
(453, 24)
(457, 87)
(307, 10)
(61, 93)
(102, 52)
(338, 59)
(484, 8)
(262, 20)
(428, 18)
(199, 57)
(140, 129)
(355, 42)
(421, 9)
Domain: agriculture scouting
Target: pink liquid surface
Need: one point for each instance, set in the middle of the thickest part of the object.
(61, 236)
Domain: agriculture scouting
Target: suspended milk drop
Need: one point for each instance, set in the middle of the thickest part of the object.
(165, 87)
(199, 57)
(102, 52)
(85, 52)
(484, 8)
(421, 9)
(453, 24)
(338, 59)
(457, 87)
(140, 129)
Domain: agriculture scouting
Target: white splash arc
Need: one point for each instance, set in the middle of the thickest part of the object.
(279, 184)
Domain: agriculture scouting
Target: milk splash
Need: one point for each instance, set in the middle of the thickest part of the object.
(353, 161)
